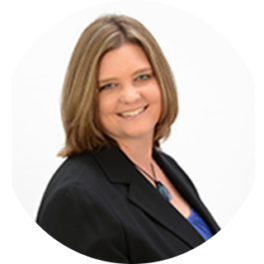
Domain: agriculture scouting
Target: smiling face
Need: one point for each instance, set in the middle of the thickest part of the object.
(129, 97)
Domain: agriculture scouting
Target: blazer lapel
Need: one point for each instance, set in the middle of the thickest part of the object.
(145, 196)
(181, 181)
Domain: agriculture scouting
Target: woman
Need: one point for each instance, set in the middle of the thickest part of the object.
(118, 197)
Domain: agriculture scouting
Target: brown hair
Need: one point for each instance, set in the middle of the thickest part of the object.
(78, 102)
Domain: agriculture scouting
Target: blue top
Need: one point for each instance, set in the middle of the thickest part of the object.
(200, 225)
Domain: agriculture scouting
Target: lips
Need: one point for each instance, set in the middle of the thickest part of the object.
(134, 110)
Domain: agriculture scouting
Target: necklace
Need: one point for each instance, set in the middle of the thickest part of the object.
(161, 188)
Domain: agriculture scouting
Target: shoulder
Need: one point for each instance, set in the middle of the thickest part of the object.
(71, 177)
(75, 170)
(73, 188)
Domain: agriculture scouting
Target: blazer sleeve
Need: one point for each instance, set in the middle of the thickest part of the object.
(81, 220)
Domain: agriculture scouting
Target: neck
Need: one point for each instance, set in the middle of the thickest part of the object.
(138, 151)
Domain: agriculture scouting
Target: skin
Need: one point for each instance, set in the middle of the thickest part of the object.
(125, 89)
(126, 82)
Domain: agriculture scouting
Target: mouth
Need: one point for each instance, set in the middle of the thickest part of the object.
(134, 113)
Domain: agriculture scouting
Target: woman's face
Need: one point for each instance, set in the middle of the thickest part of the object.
(129, 98)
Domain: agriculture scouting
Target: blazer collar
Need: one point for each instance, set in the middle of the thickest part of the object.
(119, 169)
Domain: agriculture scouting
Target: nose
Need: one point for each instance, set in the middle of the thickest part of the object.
(129, 95)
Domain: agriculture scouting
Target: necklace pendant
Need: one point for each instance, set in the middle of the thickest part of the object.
(163, 190)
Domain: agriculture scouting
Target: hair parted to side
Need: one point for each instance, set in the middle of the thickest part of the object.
(79, 93)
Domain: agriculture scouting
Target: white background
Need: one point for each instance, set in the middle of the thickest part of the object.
(212, 138)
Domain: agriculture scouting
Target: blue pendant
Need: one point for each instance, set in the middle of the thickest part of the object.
(163, 190)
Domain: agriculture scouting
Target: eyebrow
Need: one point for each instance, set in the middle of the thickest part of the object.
(136, 72)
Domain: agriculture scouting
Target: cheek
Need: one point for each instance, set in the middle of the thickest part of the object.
(106, 110)
(104, 106)
(155, 96)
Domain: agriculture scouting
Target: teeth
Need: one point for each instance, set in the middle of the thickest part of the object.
(133, 113)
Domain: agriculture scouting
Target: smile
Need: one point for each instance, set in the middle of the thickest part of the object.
(133, 113)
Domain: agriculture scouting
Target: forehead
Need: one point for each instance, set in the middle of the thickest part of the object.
(123, 60)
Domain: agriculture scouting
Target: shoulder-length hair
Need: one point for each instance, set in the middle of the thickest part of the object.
(79, 93)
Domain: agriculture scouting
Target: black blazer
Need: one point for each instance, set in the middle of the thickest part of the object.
(101, 206)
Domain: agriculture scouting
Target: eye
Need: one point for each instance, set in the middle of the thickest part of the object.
(143, 77)
(107, 86)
